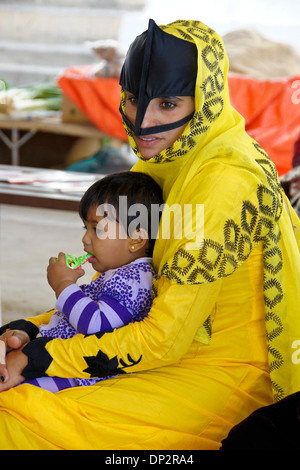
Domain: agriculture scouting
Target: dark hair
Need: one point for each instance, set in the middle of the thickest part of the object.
(139, 188)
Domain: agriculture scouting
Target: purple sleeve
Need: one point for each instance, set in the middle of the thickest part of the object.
(89, 317)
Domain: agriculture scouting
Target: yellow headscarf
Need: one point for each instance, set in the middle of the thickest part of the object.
(215, 163)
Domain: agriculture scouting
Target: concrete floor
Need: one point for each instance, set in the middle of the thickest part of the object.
(28, 238)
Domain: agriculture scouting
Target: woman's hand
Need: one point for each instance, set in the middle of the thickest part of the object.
(10, 341)
(60, 276)
(16, 362)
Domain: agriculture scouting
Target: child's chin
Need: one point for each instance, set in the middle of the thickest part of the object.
(94, 263)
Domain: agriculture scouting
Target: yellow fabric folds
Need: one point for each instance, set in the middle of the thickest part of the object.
(231, 175)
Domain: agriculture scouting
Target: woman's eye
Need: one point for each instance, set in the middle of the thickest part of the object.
(167, 105)
(132, 100)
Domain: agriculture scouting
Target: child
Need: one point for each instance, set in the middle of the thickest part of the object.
(122, 293)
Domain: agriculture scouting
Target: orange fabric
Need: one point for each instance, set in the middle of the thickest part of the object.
(98, 98)
(271, 109)
(271, 116)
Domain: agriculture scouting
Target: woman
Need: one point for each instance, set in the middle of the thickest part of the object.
(200, 362)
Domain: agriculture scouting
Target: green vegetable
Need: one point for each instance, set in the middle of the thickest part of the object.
(39, 96)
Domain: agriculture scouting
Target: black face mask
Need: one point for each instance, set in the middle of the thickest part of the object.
(158, 65)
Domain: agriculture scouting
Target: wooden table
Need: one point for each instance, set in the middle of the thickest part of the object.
(51, 124)
(49, 189)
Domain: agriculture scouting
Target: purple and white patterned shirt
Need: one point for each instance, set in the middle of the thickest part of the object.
(114, 299)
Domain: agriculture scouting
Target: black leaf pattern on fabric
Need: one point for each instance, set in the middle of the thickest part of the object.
(102, 366)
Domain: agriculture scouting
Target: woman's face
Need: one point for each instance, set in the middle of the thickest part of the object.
(160, 111)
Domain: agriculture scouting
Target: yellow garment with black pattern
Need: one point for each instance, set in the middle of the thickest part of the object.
(234, 178)
(225, 314)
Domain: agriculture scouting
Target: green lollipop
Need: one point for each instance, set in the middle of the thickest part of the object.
(76, 263)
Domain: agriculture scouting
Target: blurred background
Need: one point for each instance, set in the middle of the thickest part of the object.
(40, 38)
(59, 65)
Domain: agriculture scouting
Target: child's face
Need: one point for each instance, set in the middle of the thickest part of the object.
(109, 252)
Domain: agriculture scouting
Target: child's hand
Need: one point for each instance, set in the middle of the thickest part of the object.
(60, 275)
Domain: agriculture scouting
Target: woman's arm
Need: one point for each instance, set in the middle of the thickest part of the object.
(160, 339)
(233, 226)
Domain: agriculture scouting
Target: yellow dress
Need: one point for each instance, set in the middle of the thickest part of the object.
(218, 341)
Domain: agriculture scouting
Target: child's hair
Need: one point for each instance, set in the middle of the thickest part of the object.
(139, 188)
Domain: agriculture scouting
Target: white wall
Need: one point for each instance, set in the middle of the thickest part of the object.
(278, 20)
